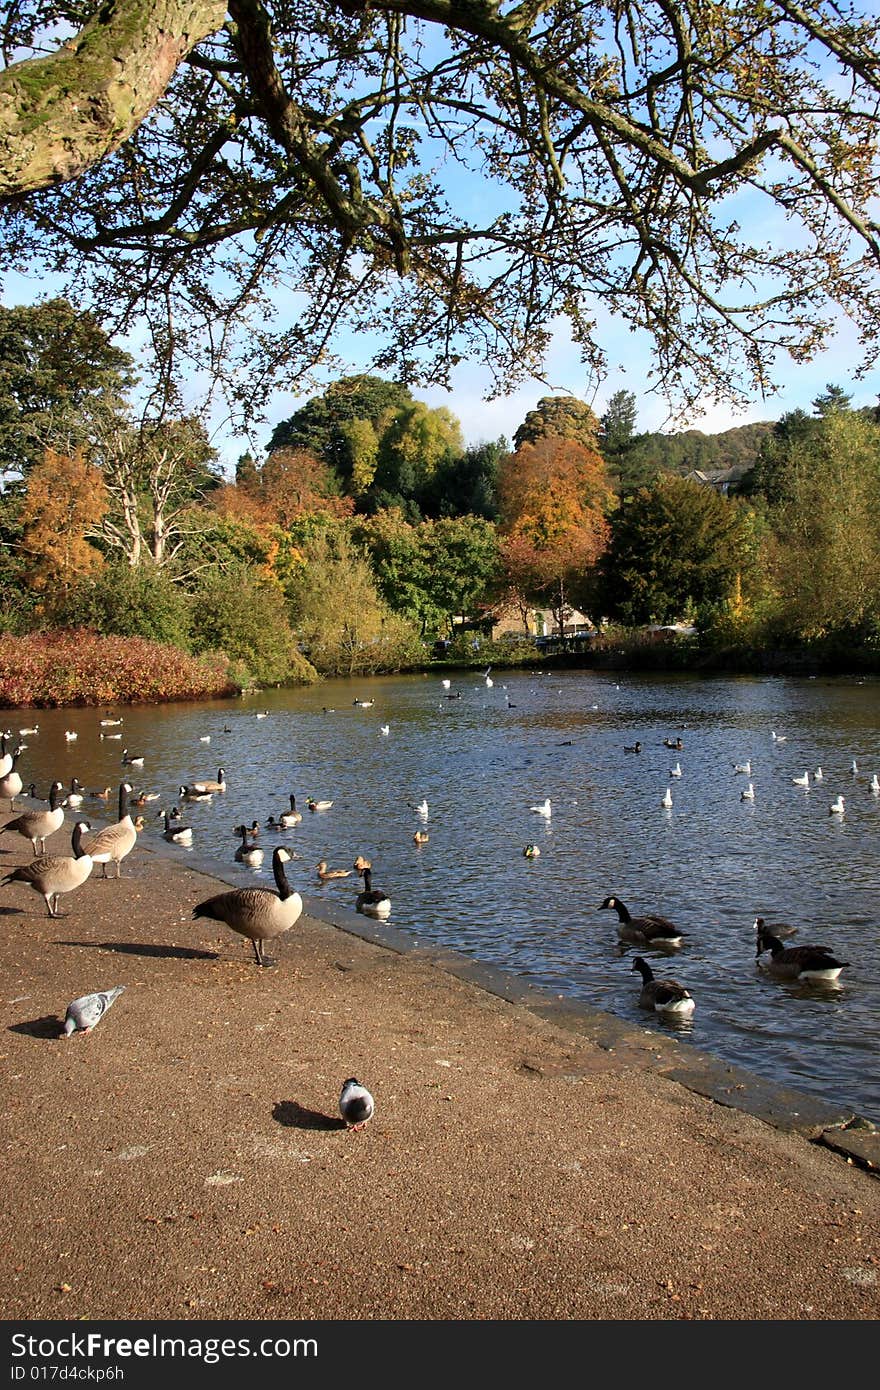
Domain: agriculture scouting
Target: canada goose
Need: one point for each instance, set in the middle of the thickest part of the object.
(356, 1105)
(673, 743)
(663, 996)
(748, 793)
(11, 784)
(324, 873)
(5, 758)
(779, 929)
(37, 825)
(632, 747)
(314, 805)
(801, 781)
(114, 841)
(53, 874)
(797, 962)
(84, 1014)
(75, 796)
(420, 837)
(361, 863)
(371, 901)
(176, 834)
(675, 771)
(544, 809)
(745, 768)
(249, 854)
(666, 799)
(648, 928)
(291, 817)
(190, 794)
(257, 913)
(206, 785)
(837, 808)
(531, 852)
(136, 760)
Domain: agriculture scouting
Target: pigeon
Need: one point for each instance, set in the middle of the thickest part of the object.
(84, 1013)
(356, 1105)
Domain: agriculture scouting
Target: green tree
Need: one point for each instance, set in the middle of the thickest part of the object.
(450, 179)
(129, 602)
(416, 443)
(676, 548)
(327, 425)
(245, 618)
(796, 433)
(467, 485)
(832, 400)
(460, 564)
(62, 382)
(562, 417)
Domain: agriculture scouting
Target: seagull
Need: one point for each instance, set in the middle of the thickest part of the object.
(875, 783)
(748, 794)
(675, 771)
(422, 808)
(818, 775)
(779, 738)
(385, 729)
(666, 799)
(544, 809)
(204, 738)
(82, 1014)
(837, 807)
(356, 1105)
(446, 684)
(801, 781)
(855, 768)
(487, 678)
(745, 767)
(69, 735)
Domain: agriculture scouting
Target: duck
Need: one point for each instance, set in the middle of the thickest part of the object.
(545, 809)
(801, 781)
(675, 771)
(314, 805)
(75, 796)
(54, 874)
(206, 784)
(37, 826)
(420, 837)
(133, 760)
(258, 914)
(249, 854)
(364, 704)
(176, 834)
(531, 852)
(324, 874)
(780, 929)
(666, 799)
(748, 793)
(291, 817)
(633, 747)
(745, 768)
(663, 996)
(356, 1105)
(837, 808)
(190, 794)
(11, 784)
(385, 729)
(798, 962)
(113, 842)
(650, 927)
(361, 863)
(103, 795)
(372, 902)
(675, 743)
(143, 798)
(110, 723)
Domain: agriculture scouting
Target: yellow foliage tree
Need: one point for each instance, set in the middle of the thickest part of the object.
(65, 498)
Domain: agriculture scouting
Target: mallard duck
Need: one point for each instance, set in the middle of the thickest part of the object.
(364, 704)
(324, 873)
(257, 913)
(110, 723)
(23, 733)
(663, 996)
(361, 863)
(371, 901)
(54, 874)
(102, 795)
(531, 852)
(633, 747)
(291, 817)
(113, 842)
(37, 826)
(673, 743)
(420, 837)
(249, 854)
(190, 794)
(649, 928)
(314, 805)
(797, 962)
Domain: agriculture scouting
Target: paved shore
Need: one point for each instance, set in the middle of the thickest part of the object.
(186, 1161)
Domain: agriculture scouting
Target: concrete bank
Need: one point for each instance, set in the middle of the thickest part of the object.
(528, 1158)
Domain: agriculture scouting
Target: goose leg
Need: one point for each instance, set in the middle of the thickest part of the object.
(258, 950)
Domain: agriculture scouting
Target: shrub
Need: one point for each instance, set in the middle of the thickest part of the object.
(246, 620)
(129, 602)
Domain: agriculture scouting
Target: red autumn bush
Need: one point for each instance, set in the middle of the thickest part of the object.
(80, 667)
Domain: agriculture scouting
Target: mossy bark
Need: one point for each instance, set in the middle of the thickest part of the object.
(62, 113)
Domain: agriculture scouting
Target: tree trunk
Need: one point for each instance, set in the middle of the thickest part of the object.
(63, 113)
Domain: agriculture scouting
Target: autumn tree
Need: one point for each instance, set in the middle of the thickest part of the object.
(562, 417)
(554, 497)
(449, 179)
(65, 499)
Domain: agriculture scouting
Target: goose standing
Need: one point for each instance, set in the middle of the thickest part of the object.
(246, 853)
(53, 874)
(38, 825)
(11, 784)
(372, 902)
(5, 758)
(257, 913)
(114, 841)
(663, 996)
(356, 1105)
(798, 962)
(650, 927)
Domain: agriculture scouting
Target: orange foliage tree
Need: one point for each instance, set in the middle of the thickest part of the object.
(65, 498)
(554, 498)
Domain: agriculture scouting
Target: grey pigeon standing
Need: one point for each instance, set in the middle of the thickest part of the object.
(356, 1105)
(84, 1013)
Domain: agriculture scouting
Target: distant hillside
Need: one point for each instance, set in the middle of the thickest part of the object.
(734, 450)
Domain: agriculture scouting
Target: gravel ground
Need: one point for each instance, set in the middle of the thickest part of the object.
(186, 1159)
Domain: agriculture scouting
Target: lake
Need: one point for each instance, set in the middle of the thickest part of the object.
(712, 862)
